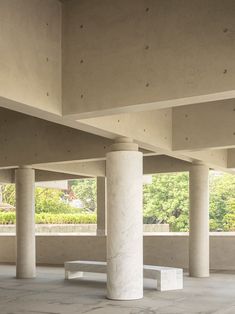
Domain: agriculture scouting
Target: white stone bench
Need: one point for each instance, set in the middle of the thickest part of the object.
(168, 278)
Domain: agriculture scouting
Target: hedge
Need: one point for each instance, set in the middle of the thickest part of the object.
(47, 218)
(9, 218)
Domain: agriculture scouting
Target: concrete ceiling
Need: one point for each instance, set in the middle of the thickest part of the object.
(161, 73)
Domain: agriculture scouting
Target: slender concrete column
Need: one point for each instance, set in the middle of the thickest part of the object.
(199, 221)
(124, 170)
(25, 224)
(101, 206)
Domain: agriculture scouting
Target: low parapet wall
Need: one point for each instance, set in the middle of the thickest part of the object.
(168, 249)
(78, 228)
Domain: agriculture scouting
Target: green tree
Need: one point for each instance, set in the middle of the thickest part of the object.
(51, 201)
(46, 200)
(166, 200)
(229, 217)
(222, 192)
(85, 190)
(8, 194)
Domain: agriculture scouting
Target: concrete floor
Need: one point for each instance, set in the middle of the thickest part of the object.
(50, 294)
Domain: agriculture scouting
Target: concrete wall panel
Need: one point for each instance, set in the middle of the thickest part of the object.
(168, 249)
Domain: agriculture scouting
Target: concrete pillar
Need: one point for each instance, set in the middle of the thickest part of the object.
(199, 221)
(25, 223)
(101, 206)
(124, 170)
(0, 194)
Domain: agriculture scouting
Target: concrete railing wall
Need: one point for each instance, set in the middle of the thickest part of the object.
(78, 228)
(169, 249)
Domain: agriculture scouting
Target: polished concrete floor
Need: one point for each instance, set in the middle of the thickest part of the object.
(50, 294)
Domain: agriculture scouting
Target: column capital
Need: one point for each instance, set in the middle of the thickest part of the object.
(25, 167)
(124, 144)
(199, 163)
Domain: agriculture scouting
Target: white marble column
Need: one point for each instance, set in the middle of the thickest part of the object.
(101, 206)
(124, 171)
(199, 221)
(25, 223)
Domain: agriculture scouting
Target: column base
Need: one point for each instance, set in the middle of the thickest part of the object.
(26, 276)
(193, 275)
(125, 298)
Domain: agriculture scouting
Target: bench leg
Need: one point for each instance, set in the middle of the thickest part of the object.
(170, 281)
(73, 274)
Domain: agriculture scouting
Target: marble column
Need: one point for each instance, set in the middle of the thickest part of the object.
(124, 171)
(199, 221)
(101, 206)
(25, 223)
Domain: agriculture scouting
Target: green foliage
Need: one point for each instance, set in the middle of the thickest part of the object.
(229, 217)
(166, 201)
(46, 200)
(222, 192)
(7, 218)
(47, 218)
(85, 190)
(8, 194)
(50, 201)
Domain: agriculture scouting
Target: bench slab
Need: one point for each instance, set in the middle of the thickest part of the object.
(168, 278)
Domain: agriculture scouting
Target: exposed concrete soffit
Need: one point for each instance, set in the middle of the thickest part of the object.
(166, 104)
(81, 170)
(151, 165)
(231, 158)
(8, 176)
(197, 132)
(89, 168)
(27, 140)
(205, 126)
(43, 175)
(50, 142)
(164, 62)
(157, 65)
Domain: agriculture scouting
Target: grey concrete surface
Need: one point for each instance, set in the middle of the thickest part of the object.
(50, 294)
(78, 228)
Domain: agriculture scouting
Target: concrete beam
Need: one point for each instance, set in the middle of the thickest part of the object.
(7, 176)
(205, 126)
(43, 176)
(25, 140)
(89, 168)
(152, 164)
(216, 158)
(164, 164)
(125, 56)
(151, 129)
(231, 158)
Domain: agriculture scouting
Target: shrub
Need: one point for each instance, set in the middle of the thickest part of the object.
(46, 200)
(47, 218)
(7, 218)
